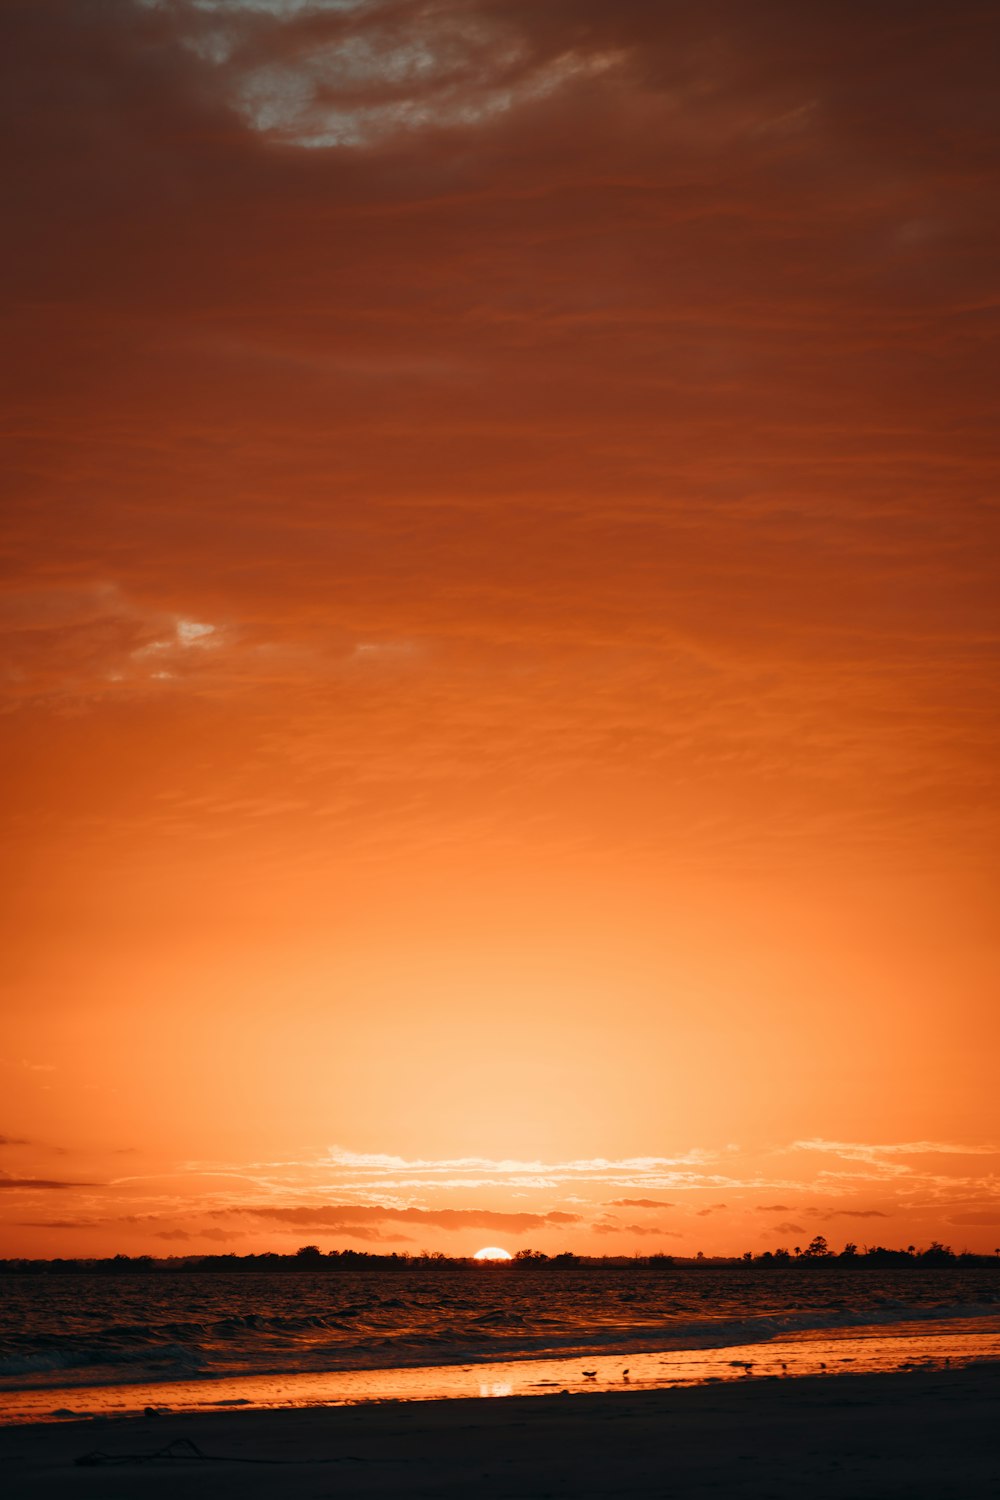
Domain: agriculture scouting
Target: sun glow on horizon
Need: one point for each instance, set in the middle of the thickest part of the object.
(492, 1252)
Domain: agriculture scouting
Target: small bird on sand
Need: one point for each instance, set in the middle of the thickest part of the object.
(590, 1374)
(625, 1374)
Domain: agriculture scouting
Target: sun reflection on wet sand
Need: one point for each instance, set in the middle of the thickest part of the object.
(496, 1388)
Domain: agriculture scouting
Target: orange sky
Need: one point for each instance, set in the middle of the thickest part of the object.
(500, 596)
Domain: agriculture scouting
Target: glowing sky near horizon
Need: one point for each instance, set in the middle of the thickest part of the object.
(500, 596)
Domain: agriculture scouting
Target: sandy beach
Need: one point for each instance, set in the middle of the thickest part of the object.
(917, 1434)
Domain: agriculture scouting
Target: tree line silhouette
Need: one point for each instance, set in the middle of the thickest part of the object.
(936, 1254)
(311, 1259)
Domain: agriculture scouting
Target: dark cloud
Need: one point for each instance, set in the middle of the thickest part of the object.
(370, 1233)
(11, 1140)
(857, 1213)
(772, 1208)
(61, 1223)
(47, 1183)
(182, 1235)
(365, 1222)
(146, 1221)
(789, 1228)
(639, 1229)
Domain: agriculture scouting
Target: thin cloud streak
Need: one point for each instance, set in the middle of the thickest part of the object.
(44, 1183)
(594, 1168)
(875, 1154)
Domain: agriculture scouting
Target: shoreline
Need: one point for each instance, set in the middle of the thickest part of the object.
(923, 1434)
(867, 1349)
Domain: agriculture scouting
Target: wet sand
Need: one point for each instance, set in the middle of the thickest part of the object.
(864, 1350)
(933, 1434)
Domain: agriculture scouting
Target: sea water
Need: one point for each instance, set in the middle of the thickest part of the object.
(457, 1329)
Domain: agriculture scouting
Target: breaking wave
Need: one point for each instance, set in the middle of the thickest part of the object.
(167, 1327)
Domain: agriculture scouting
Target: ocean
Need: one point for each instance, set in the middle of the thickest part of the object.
(79, 1343)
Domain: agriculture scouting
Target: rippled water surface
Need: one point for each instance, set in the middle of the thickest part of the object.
(58, 1331)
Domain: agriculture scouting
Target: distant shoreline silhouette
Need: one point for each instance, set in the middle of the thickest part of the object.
(817, 1255)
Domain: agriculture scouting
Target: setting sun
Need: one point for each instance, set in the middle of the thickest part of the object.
(492, 1252)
